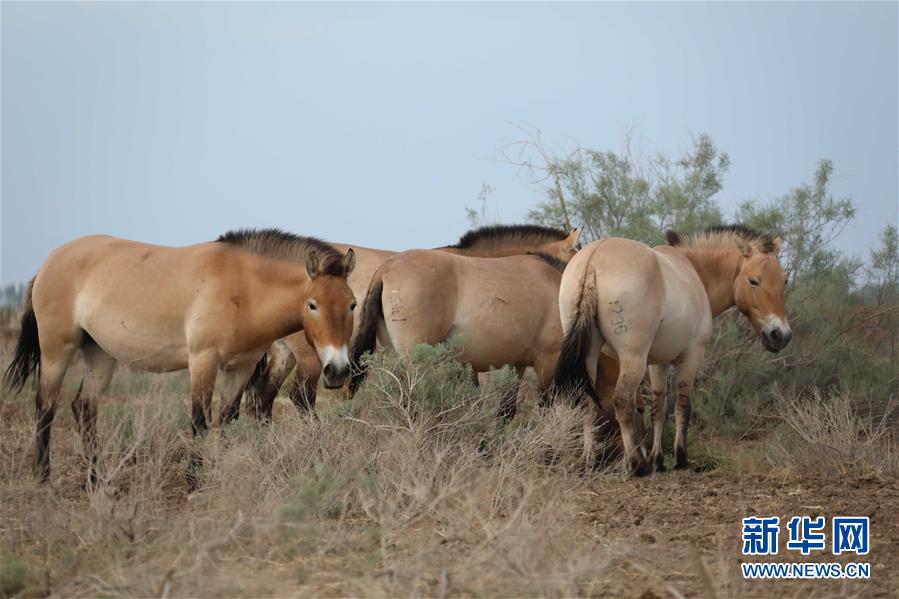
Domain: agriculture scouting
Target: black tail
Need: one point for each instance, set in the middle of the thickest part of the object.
(367, 336)
(28, 349)
(571, 376)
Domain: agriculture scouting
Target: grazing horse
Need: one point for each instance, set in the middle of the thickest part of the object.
(486, 242)
(655, 306)
(504, 310)
(212, 307)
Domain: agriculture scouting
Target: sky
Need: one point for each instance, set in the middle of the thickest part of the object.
(376, 124)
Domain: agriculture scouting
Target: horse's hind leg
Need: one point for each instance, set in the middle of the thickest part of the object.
(658, 377)
(629, 379)
(56, 355)
(687, 367)
(508, 403)
(262, 393)
(99, 367)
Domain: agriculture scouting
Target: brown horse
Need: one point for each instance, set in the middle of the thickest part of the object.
(655, 306)
(486, 242)
(212, 307)
(504, 310)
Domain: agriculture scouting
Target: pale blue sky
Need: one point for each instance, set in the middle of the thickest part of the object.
(376, 123)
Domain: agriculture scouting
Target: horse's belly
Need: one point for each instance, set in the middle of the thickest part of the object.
(144, 348)
(671, 340)
(485, 348)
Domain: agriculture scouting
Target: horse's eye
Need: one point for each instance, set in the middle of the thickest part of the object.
(352, 306)
(754, 282)
(312, 306)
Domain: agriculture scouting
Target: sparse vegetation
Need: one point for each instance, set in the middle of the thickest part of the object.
(415, 487)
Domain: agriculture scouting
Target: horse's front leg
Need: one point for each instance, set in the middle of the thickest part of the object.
(233, 384)
(658, 378)
(203, 371)
(687, 367)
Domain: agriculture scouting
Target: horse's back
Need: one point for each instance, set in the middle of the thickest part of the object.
(134, 299)
(508, 311)
(620, 280)
(686, 315)
(648, 300)
(500, 308)
(418, 298)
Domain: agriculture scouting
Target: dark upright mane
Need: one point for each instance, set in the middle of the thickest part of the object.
(556, 263)
(499, 235)
(722, 236)
(287, 246)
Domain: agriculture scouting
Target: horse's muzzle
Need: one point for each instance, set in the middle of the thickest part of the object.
(335, 376)
(776, 338)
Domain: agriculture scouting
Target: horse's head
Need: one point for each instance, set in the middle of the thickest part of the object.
(564, 249)
(759, 292)
(328, 314)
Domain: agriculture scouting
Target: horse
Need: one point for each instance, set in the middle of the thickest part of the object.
(210, 308)
(654, 306)
(493, 241)
(504, 310)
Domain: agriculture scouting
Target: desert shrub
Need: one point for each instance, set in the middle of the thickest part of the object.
(433, 396)
(831, 432)
(13, 574)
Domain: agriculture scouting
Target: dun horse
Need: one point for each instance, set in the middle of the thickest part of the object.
(655, 306)
(485, 242)
(212, 307)
(504, 310)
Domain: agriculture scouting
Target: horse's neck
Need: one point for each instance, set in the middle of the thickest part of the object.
(286, 289)
(717, 269)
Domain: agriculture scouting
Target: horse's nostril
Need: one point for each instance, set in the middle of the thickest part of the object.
(775, 335)
(329, 370)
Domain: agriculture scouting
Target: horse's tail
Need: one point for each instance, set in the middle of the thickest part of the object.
(259, 371)
(571, 375)
(367, 336)
(27, 359)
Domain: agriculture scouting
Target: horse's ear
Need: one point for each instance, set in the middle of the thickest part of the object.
(571, 240)
(777, 243)
(744, 247)
(312, 265)
(349, 261)
(672, 237)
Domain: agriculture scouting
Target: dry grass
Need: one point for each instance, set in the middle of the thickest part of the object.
(828, 433)
(411, 489)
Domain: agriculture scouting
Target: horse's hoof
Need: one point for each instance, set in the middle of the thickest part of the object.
(660, 464)
(680, 459)
(639, 466)
(642, 470)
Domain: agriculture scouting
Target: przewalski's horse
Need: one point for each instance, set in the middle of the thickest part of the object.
(655, 306)
(209, 307)
(504, 311)
(486, 242)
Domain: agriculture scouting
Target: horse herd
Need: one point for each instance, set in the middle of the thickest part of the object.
(255, 304)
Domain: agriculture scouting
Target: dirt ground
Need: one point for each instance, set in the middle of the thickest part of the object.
(684, 530)
(675, 534)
